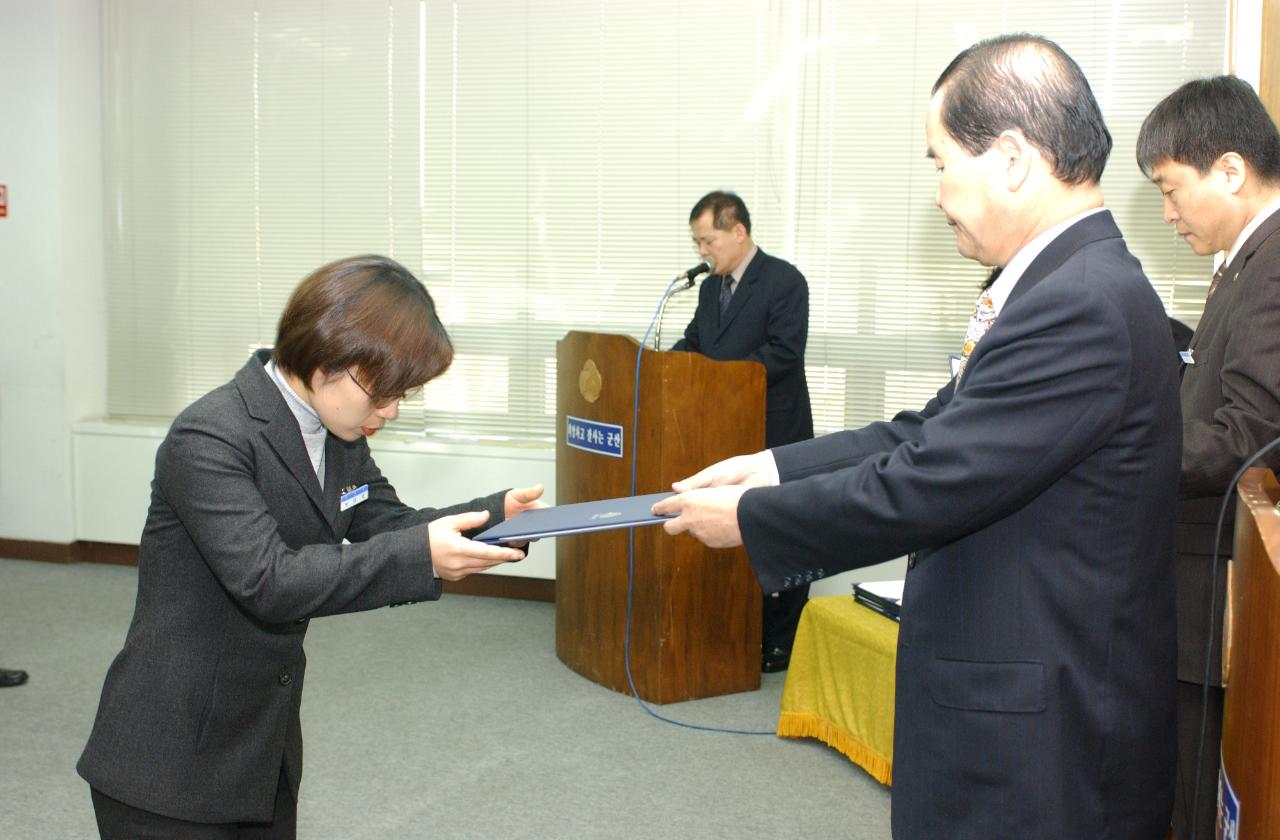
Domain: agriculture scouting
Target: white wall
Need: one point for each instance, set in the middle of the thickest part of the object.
(1245, 59)
(53, 344)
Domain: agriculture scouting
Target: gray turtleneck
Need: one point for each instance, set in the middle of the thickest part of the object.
(313, 431)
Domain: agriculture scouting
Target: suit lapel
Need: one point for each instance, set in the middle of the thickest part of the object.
(1088, 230)
(1251, 246)
(1218, 306)
(264, 402)
(335, 454)
(742, 294)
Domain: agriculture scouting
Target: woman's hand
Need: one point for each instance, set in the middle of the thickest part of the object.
(521, 499)
(453, 556)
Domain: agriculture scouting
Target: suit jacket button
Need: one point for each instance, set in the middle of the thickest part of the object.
(911, 560)
(285, 678)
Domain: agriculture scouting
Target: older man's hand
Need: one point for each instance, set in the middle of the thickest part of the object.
(709, 514)
(756, 470)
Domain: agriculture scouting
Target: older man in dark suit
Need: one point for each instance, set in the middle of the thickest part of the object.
(755, 306)
(1214, 153)
(1034, 494)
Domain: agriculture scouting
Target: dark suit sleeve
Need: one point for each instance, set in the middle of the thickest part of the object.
(383, 511)
(204, 472)
(1044, 386)
(849, 448)
(787, 330)
(691, 341)
(1249, 416)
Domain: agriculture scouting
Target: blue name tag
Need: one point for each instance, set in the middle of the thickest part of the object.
(590, 436)
(353, 497)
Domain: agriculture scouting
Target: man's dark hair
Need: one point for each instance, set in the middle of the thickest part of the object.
(727, 209)
(368, 313)
(1203, 120)
(1028, 83)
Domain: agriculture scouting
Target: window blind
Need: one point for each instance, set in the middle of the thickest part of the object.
(534, 165)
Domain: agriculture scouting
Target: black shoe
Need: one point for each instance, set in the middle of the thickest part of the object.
(775, 659)
(8, 678)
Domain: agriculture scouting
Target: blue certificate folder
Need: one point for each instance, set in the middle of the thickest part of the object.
(580, 518)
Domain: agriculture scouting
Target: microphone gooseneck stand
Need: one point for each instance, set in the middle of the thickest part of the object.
(689, 278)
(662, 308)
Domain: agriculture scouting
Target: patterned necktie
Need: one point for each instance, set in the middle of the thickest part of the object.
(984, 315)
(726, 292)
(1217, 278)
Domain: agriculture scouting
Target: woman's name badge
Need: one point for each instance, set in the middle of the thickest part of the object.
(353, 496)
(1187, 357)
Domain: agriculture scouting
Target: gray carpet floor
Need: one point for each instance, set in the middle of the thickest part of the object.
(446, 720)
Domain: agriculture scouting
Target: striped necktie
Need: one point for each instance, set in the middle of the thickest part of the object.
(1217, 278)
(726, 293)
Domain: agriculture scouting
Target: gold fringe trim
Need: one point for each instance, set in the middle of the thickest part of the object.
(809, 725)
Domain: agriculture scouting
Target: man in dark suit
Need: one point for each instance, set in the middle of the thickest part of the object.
(756, 307)
(1214, 153)
(1033, 495)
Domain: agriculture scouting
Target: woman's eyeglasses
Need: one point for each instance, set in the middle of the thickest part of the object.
(386, 401)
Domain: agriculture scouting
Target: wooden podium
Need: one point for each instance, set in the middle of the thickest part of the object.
(695, 611)
(1251, 717)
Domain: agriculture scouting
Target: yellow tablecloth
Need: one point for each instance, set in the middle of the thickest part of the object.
(839, 686)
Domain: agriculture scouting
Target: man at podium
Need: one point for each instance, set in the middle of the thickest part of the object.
(755, 306)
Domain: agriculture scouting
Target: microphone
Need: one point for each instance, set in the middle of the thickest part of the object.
(688, 276)
(682, 281)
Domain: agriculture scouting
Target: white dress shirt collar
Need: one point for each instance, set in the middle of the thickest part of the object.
(1003, 287)
(742, 267)
(1254, 223)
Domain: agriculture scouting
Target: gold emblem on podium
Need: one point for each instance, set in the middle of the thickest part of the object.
(589, 382)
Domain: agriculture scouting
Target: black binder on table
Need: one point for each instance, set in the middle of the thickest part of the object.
(883, 596)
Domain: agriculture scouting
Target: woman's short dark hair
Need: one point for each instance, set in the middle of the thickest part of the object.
(1203, 120)
(727, 209)
(1028, 83)
(368, 313)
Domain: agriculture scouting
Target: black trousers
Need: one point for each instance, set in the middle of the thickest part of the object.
(1189, 707)
(780, 613)
(118, 821)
